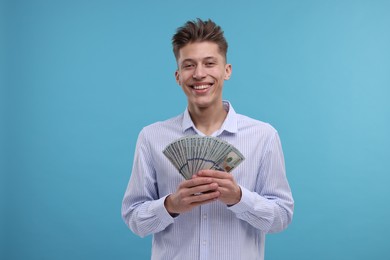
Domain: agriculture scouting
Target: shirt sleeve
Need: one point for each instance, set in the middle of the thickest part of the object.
(142, 209)
(270, 207)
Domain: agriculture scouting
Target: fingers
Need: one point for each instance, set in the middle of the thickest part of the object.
(192, 187)
(230, 192)
(223, 179)
(201, 198)
(204, 187)
(188, 196)
(195, 182)
(214, 174)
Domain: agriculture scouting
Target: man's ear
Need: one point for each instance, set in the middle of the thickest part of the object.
(177, 77)
(228, 71)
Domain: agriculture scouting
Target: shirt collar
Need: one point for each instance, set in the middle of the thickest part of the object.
(229, 125)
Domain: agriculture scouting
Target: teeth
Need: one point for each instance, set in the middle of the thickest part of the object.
(201, 87)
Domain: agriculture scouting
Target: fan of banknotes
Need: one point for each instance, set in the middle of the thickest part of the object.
(191, 154)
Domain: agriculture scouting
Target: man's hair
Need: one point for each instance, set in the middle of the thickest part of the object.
(199, 31)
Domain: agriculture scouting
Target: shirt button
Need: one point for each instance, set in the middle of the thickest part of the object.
(204, 242)
(204, 216)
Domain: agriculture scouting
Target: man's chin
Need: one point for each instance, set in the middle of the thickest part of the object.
(201, 103)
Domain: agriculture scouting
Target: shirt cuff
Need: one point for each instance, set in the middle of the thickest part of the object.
(249, 202)
(158, 208)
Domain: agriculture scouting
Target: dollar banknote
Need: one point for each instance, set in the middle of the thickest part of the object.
(193, 153)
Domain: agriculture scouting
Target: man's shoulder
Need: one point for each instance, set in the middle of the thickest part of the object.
(170, 124)
(252, 124)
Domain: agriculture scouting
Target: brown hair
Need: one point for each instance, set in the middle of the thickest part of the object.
(199, 31)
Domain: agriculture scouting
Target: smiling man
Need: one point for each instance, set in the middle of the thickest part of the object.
(215, 214)
(202, 70)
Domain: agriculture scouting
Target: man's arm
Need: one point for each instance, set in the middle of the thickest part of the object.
(270, 206)
(142, 209)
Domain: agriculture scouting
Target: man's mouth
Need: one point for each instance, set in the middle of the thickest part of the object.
(201, 87)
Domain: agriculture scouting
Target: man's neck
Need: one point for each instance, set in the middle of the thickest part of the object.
(208, 120)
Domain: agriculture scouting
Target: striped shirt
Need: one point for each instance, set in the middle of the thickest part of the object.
(212, 231)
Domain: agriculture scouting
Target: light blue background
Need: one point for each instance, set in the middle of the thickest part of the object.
(81, 78)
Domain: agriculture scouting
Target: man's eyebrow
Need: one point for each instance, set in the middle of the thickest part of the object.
(210, 58)
(187, 60)
(205, 58)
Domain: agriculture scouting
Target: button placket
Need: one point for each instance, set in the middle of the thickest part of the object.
(204, 232)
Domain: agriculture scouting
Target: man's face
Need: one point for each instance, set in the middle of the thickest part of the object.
(201, 73)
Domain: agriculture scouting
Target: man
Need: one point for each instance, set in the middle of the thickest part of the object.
(214, 215)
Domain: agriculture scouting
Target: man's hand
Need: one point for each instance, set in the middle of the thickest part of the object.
(192, 193)
(230, 192)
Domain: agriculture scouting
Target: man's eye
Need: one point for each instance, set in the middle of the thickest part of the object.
(210, 64)
(187, 66)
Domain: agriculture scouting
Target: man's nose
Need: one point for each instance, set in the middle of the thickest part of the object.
(199, 72)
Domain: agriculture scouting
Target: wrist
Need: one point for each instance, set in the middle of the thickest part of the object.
(169, 208)
(238, 198)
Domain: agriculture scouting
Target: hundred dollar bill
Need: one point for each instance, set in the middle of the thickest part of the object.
(231, 161)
